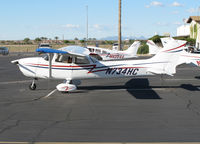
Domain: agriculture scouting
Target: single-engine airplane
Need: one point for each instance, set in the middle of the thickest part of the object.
(74, 63)
(107, 54)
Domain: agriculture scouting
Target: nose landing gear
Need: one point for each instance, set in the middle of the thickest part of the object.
(32, 86)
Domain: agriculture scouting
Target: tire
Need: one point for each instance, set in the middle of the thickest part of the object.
(32, 86)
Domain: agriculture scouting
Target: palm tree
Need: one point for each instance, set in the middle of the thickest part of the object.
(56, 38)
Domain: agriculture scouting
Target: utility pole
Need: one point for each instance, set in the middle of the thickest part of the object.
(119, 27)
(86, 25)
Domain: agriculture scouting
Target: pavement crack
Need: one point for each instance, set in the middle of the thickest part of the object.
(8, 117)
(68, 115)
(189, 104)
(43, 130)
(51, 125)
(192, 108)
(9, 127)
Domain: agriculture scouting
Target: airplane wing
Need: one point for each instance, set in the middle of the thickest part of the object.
(49, 50)
(72, 50)
(76, 50)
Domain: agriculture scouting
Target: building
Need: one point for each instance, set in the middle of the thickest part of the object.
(194, 22)
(183, 30)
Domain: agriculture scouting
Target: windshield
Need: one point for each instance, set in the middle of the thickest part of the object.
(46, 57)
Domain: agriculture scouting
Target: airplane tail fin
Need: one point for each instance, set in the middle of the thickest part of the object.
(133, 48)
(166, 60)
(153, 48)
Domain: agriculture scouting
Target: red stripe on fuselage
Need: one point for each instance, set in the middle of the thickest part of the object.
(175, 48)
(61, 65)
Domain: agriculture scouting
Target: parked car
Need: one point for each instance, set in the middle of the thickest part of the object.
(44, 45)
(4, 51)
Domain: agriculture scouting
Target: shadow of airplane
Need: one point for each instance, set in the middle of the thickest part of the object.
(139, 88)
(197, 77)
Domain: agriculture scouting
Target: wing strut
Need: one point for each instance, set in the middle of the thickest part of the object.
(50, 64)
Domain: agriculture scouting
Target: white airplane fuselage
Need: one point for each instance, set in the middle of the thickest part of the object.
(73, 66)
(38, 67)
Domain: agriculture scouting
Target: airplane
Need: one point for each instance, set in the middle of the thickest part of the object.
(107, 54)
(153, 48)
(185, 56)
(74, 63)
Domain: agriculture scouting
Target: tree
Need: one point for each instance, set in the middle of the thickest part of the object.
(191, 41)
(26, 40)
(156, 38)
(82, 41)
(56, 38)
(75, 38)
(144, 49)
(38, 39)
(66, 41)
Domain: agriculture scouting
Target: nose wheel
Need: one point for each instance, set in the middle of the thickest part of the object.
(32, 86)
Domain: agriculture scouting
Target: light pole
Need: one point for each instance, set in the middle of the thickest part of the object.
(119, 27)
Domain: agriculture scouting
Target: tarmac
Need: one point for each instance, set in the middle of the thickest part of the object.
(142, 109)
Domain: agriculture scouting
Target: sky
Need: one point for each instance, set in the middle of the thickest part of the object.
(67, 18)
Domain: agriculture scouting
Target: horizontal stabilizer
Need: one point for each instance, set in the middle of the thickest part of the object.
(159, 71)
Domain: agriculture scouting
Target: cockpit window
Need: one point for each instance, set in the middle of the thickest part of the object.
(91, 49)
(46, 57)
(94, 60)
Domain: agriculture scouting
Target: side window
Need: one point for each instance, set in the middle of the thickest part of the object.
(64, 58)
(98, 51)
(91, 49)
(104, 52)
(81, 60)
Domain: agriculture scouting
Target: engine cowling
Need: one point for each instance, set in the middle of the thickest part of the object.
(65, 87)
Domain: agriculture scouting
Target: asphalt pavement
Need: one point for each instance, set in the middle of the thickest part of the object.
(142, 109)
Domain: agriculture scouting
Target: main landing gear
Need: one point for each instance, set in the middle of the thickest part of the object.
(32, 86)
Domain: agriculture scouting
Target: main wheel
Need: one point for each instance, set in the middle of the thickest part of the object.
(32, 86)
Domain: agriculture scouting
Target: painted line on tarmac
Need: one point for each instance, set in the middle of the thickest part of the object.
(15, 82)
(132, 89)
(50, 93)
(179, 79)
(99, 143)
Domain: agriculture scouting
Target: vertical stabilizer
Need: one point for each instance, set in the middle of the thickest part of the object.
(166, 60)
(133, 48)
(153, 48)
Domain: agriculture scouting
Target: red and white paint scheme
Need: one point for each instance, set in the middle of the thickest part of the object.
(107, 54)
(185, 56)
(75, 63)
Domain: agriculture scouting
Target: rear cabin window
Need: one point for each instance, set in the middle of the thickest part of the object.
(104, 52)
(81, 60)
(98, 51)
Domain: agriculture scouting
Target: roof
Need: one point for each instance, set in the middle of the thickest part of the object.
(195, 18)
